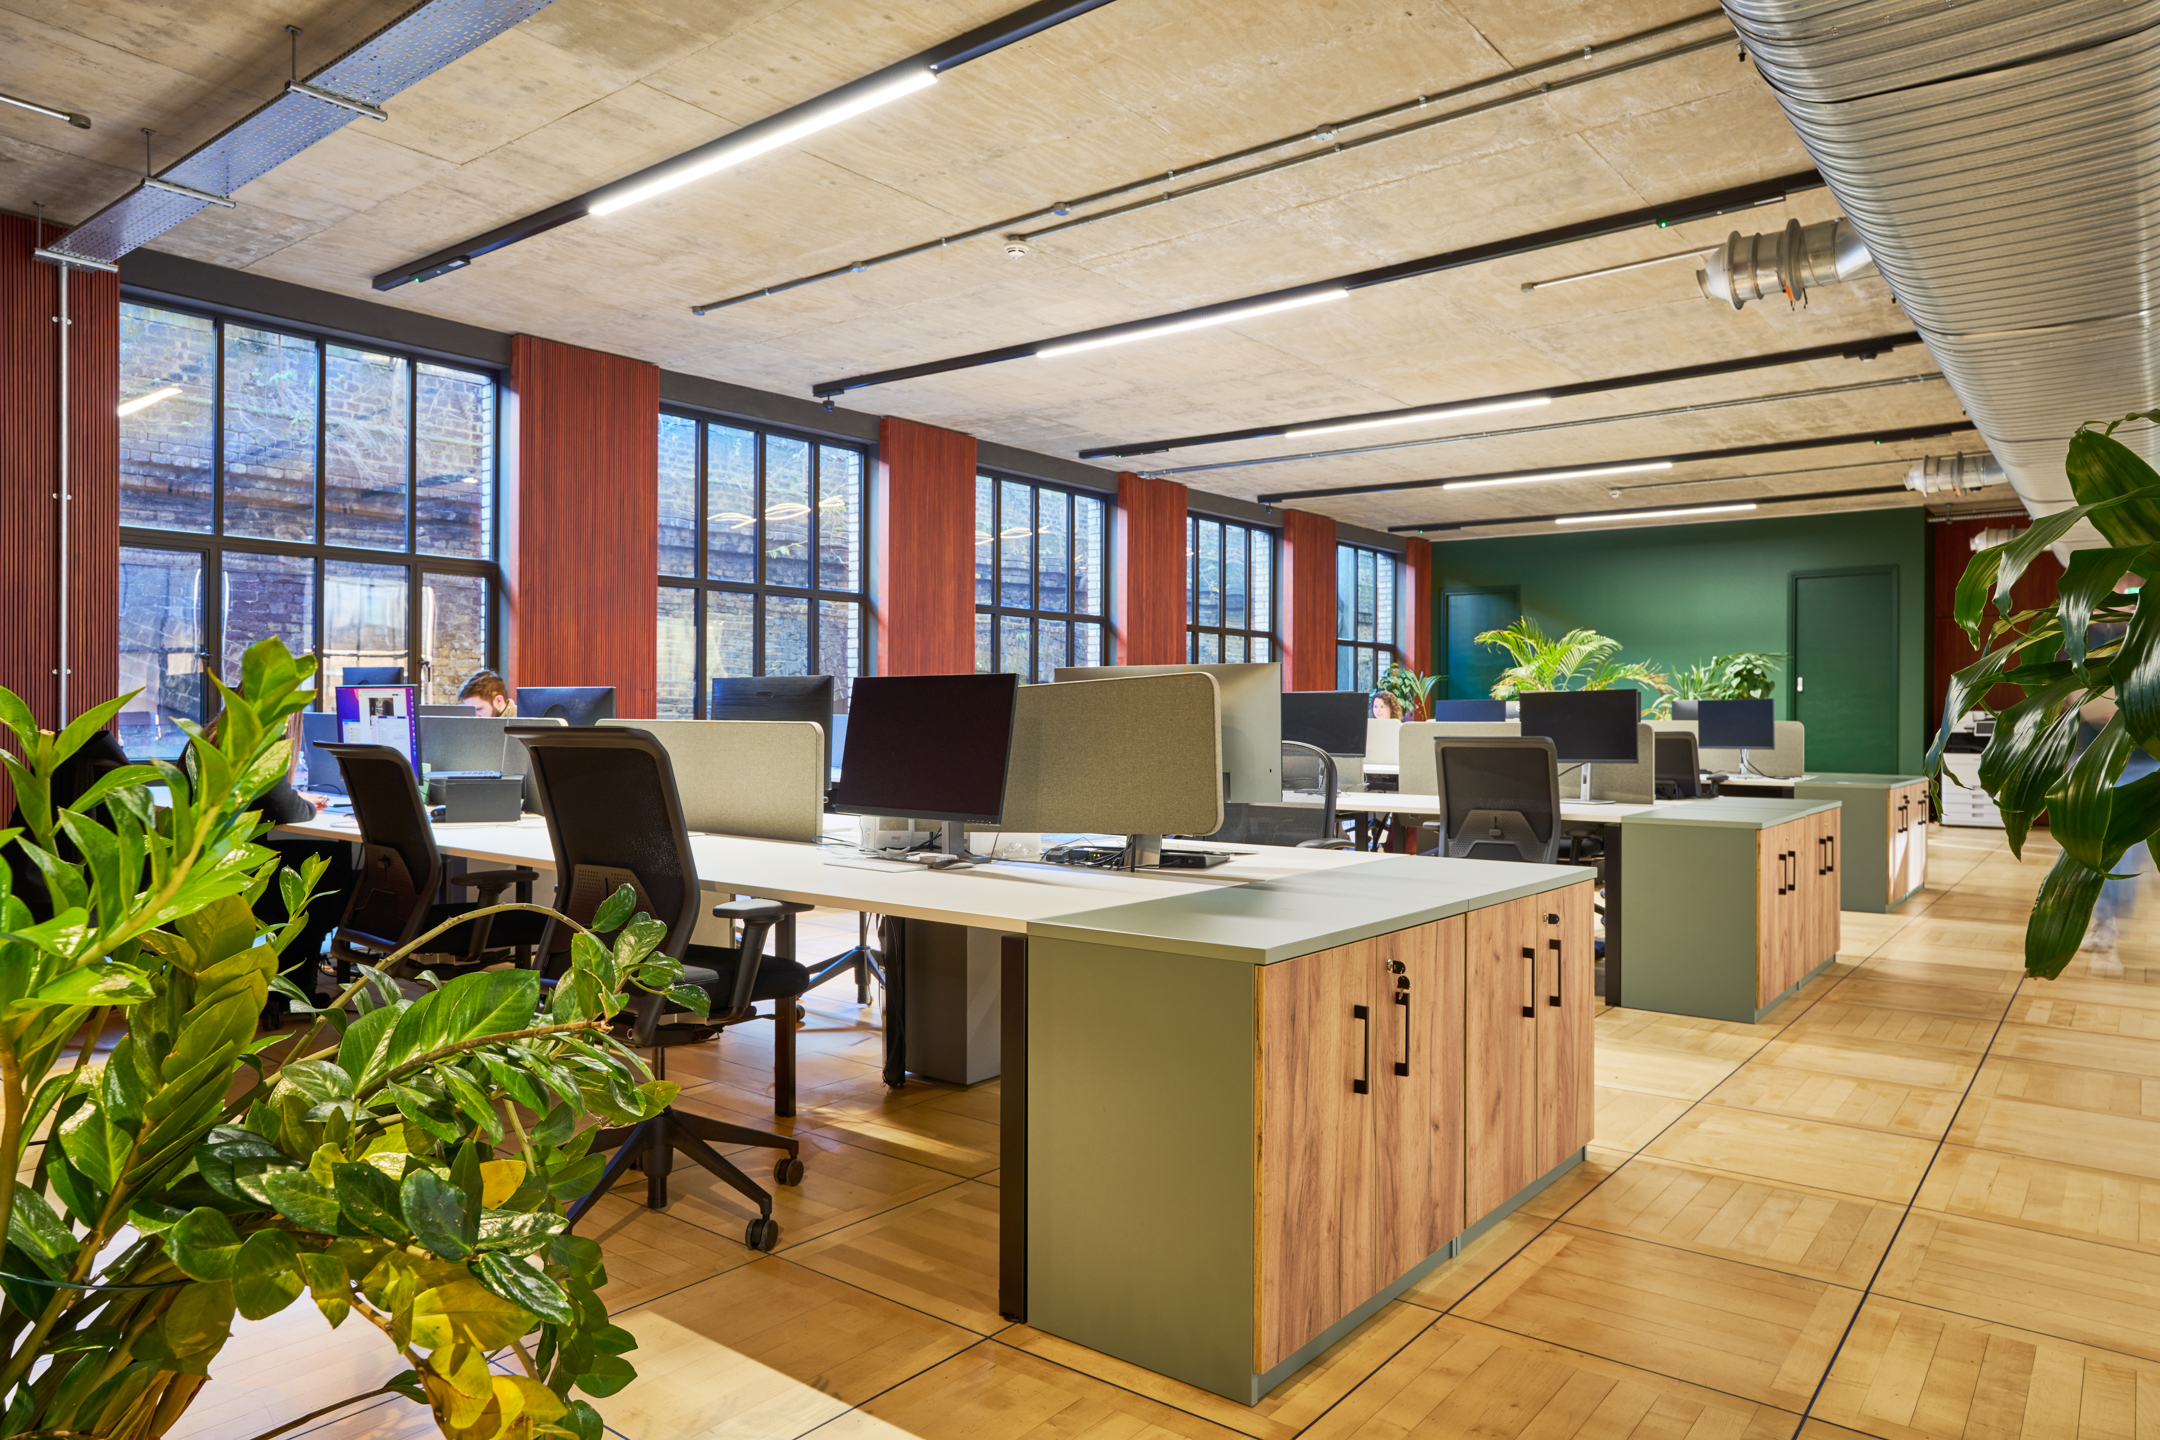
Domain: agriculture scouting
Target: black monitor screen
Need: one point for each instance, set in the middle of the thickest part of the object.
(1479, 711)
(571, 704)
(1587, 727)
(319, 728)
(1735, 724)
(927, 747)
(1333, 720)
(776, 697)
(372, 675)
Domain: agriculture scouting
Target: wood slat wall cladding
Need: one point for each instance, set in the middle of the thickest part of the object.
(924, 513)
(1952, 651)
(1308, 601)
(1149, 564)
(1418, 606)
(29, 475)
(581, 583)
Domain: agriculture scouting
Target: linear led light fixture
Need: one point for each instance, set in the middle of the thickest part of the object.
(144, 402)
(1531, 476)
(1410, 417)
(774, 131)
(1692, 510)
(80, 122)
(1198, 322)
(1678, 212)
(1431, 527)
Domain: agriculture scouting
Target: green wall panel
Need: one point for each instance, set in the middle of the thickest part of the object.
(1676, 594)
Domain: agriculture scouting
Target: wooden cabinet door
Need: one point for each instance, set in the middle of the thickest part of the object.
(1773, 933)
(1899, 821)
(1500, 1051)
(1417, 1098)
(1825, 898)
(1916, 840)
(1319, 1044)
(1567, 1006)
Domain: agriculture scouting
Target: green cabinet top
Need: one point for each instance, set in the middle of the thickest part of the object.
(1726, 812)
(1273, 920)
(1803, 788)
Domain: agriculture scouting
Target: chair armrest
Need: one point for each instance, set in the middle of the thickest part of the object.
(772, 910)
(1334, 842)
(495, 880)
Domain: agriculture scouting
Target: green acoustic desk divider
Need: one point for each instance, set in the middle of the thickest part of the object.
(1132, 755)
(761, 779)
(1720, 927)
(1886, 835)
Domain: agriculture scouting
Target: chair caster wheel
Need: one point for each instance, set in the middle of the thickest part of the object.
(762, 1235)
(787, 1170)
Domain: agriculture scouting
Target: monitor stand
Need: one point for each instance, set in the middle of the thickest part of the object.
(1747, 771)
(1143, 852)
(1585, 797)
(953, 840)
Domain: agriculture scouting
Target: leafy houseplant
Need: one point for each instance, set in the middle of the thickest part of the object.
(386, 1168)
(1412, 689)
(1545, 663)
(1741, 675)
(2031, 762)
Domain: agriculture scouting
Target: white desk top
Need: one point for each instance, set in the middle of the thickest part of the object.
(1389, 802)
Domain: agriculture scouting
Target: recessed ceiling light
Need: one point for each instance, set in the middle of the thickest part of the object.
(1650, 514)
(1436, 412)
(1174, 327)
(1558, 475)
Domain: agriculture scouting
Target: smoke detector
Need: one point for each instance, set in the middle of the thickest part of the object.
(1016, 246)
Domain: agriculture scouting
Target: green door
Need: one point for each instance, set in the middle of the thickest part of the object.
(1845, 669)
(1472, 668)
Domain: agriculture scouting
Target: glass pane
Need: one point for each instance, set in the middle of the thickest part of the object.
(1345, 592)
(1087, 644)
(1261, 651)
(1233, 649)
(839, 639)
(1364, 594)
(1210, 648)
(1263, 583)
(982, 644)
(1234, 612)
(787, 517)
(1053, 579)
(454, 452)
(364, 615)
(1016, 529)
(985, 539)
(1208, 567)
(1051, 638)
(266, 595)
(840, 519)
(453, 634)
(1192, 647)
(1346, 668)
(678, 496)
(678, 654)
(1192, 560)
(1013, 645)
(1384, 600)
(787, 635)
(269, 435)
(1091, 555)
(730, 506)
(364, 479)
(168, 373)
(161, 638)
(730, 634)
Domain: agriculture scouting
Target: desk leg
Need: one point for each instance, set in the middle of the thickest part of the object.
(1612, 914)
(1013, 1133)
(895, 948)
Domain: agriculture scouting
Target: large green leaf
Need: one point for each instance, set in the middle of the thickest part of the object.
(522, 1285)
(204, 1245)
(2082, 804)
(2091, 575)
(370, 1200)
(304, 1200)
(2136, 669)
(434, 1211)
(2102, 468)
(2060, 915)
(266, 1277)
(2027, 753)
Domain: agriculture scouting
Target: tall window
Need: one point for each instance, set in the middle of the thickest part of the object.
(340, 498)
(1365, 621)
(1229, 592)
(761, 559)
(1042, 569)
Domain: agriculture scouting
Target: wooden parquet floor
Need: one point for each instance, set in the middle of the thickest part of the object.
(1920, 1202)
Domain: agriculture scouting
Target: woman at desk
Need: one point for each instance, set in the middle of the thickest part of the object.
(1386, 706)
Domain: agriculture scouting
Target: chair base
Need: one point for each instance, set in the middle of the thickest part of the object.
(651, 1145)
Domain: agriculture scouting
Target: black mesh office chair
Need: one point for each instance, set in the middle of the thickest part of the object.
(1306, 770)
(1499, 799)
(1678, 772)
(614, 818)
(401, 872)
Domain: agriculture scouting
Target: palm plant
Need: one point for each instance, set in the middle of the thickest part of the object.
(408, 1162)
(2032, 763)
(1741, 675)
(1545, 663)
(1412, 689)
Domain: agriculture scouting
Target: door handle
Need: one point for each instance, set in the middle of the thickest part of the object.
(1554, 998)
(1530, 1010)
(1831, 841)
(1363, 1015)
(1781, 872)
(1402, 1066)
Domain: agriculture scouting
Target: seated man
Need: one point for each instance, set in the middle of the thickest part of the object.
(486, 693)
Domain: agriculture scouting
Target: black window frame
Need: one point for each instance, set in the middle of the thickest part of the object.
(1350, 648)
(1266, 634)
(996, 611)
(700, 585)
(212, 547)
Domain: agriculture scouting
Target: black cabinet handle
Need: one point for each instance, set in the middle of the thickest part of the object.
(1530, 1010)
(1831, 841)
(1364, 1086)
(1554, 998)
(1781, 872)
(1402, 1066)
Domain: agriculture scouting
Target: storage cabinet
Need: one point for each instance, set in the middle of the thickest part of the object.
(1886, 835)
(1528, 1089)
(1796, 910)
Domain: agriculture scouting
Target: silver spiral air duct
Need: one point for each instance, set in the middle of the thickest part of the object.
(1756, 267)
(1955, 474)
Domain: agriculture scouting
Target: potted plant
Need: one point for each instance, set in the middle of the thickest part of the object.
(405, 1166)
(1741, 675)
(2032, 762)
(1545, 663)
(1413, 690)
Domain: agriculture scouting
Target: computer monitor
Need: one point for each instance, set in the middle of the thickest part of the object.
(1732, 724)
(1586, 727)
(1251, 698)
(380, 715)
(1333, 720)
(372, 675)
(463, 743)
(453, 712)
(1470, 711)
(571, 704)
(928, 747)
(319, 728)
(776, 697)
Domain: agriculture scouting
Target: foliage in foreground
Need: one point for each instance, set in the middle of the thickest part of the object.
(385, 1171)
(2031, 763)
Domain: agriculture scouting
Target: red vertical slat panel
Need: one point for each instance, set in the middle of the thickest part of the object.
(1148, 562)
(924, 518)
(1308, 601)
(1418, 606)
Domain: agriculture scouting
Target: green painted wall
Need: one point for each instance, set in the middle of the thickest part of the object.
(1676, 594)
